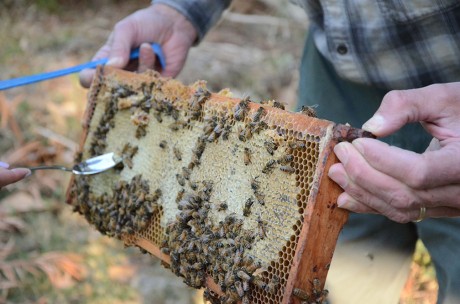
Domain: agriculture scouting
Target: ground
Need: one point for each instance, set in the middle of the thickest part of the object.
(48, 254)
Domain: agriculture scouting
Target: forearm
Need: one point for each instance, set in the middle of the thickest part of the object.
(203, 14)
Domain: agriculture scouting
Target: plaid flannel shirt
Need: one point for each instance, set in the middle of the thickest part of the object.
(203, 14)
(391, 44)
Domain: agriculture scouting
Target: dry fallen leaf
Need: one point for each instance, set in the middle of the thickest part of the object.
(20, 202)
(121, 273)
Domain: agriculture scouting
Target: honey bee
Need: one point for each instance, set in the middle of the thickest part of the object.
(195, 161)
(177, 153)
(261, 226)
(252, 266)
(196, 266)
(261, 125)
(209, 296)
(248, 133)
(141, 131)
(273, 285)
(229, 278)
(260, 111)
(199, 147)
(309, 111)
(247, 207)
(241, 109)
(239, 288)
(259, 282)
(226, 132)
(153, 197)
(287, 169)
(180, 179)
(165, 250)
(186, 173)
(243, 276)
(299, 293)
(278, 105)
(140, 117)
(175, 114)
(222, 207)
(157, 116)
(297, 144)
(245, 299)
(246, 286)
(270, 146)
(230, 298)
(163, 144)
(241, 134)
(167, 106)
(218, 129)
(128, 162)
(180, 195)
(316, 284)
(207, 186)
(285, 159)
(193, 185)
(208, 129)
(247, 156)
(212, 137)
(141, 197)
(164, 243)
(175, 126)
(269, 166)
(255, 184)
(199, 97)
(260, 198)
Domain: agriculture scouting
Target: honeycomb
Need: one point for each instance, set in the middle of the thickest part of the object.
(230, 194)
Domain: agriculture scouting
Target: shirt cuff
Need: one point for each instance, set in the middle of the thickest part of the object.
(203, 14)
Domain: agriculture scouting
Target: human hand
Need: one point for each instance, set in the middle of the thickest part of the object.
(11, 176)
(158, 23)
(378, 178)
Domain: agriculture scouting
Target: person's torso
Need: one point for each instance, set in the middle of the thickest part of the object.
(391, 44)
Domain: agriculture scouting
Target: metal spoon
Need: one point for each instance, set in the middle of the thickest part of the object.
(90, 166)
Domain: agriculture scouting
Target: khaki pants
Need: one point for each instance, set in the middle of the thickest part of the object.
(363, 273)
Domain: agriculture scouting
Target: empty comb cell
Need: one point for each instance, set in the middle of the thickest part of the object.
(231, 194)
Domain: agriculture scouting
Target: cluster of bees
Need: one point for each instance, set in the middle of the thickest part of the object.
(127, 210)
(199, 248)
(98, 142)
(127, 154)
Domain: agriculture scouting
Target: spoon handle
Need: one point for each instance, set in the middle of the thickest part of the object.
(50, 168)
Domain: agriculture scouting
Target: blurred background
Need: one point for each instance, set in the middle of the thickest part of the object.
(48, 254)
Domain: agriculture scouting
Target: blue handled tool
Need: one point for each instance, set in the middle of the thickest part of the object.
(15, 82)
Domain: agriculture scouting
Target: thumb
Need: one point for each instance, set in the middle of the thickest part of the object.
(11, 176)
(400, 107)
(121, 44)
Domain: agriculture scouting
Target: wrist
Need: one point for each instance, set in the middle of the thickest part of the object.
(202, 14)
(181, 25)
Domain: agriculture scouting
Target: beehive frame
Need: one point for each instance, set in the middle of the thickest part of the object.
(242, 203)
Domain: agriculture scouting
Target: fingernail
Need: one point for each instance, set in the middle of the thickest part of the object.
(4, 165)
(343, 202)
(23, 171)
(374, 124)
(358, 145)
(338, 176)
(342, 152)
(115, 61)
